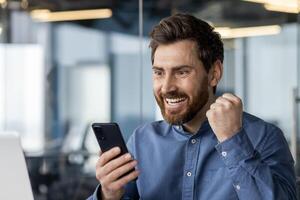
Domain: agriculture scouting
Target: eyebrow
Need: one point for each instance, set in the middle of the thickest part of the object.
(173, 68)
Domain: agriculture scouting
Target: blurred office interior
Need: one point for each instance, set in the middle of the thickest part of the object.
(67, 63)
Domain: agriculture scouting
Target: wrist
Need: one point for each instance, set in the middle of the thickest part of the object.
(106, 196)
(225, 136)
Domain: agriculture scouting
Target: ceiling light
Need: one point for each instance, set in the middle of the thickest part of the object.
(47, 16)
(227, 32)
(3, 3)
(288, 6)
(293, 3)
(285, 9)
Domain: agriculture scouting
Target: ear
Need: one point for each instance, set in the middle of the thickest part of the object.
(215, 73)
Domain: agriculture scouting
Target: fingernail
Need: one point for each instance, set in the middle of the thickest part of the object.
(134, 163)
(127, 156)
(117, 149)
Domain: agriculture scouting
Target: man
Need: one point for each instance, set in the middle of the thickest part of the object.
(206, 147)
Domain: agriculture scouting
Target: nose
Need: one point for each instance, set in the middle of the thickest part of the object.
(168, 84)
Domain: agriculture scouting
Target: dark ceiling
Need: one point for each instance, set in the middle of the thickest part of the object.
(234, 13)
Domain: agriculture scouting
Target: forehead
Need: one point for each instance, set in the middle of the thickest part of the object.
(179, 53)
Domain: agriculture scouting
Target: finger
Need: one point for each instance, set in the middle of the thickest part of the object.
(209, 114)
(224, 102)
(120, 183)
(231, 97)
(115, 163)
(216, 106)
(114, 175)
(100, 152)
(108, 155)
(213, 106)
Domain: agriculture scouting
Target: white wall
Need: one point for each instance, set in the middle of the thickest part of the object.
(22, 93)
(272, 67)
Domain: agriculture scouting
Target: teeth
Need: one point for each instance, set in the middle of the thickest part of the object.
(176, 100)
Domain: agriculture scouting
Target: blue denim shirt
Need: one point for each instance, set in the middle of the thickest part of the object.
(254, 164)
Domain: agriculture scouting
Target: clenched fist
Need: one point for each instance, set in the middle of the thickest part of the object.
(225, 116)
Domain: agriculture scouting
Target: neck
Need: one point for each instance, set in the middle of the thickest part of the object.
(194, 125)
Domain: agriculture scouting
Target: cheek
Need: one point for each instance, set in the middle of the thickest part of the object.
(189, 87)
(193, 88)
(156, 85)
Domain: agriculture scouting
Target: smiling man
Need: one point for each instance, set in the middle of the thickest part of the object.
(206, 147)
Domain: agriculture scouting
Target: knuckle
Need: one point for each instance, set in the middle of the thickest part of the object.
(102, 159)
(98, 175)
(236, 99)
(103, 182)
(99, 163)
(221, 109)
(228, 105)
(211, 113)
(239, 100)
(126, 157)
(218, 107)
(208, 114)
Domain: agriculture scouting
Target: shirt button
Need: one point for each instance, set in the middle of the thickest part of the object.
(238, 187)
(224, 153)
(194, 141)
(189, 174)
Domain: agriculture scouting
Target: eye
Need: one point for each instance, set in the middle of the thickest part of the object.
(183, 72)
(157, 72)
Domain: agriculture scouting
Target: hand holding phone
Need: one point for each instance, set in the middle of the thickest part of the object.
(115, 167)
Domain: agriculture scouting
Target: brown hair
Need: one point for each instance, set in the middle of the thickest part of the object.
(184, 26)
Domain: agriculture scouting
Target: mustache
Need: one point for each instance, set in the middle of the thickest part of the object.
(174, 94)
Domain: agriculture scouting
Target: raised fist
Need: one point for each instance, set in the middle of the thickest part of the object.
(225, 116)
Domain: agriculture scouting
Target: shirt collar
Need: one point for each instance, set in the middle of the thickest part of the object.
(204, 128)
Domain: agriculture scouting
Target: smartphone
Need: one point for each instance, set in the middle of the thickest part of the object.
(108, 136)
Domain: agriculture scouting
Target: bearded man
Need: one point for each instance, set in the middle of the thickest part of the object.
(206, 147)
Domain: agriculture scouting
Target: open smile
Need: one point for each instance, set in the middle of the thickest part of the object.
(175, 104)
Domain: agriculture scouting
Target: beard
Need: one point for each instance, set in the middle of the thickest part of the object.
(194, 104)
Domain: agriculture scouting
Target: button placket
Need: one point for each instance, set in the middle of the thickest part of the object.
(190, 166)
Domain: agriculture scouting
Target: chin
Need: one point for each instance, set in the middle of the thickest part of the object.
(174, 119)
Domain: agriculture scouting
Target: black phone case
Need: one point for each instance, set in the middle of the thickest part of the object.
(108, 136)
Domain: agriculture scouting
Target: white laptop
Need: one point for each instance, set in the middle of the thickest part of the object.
(14, 179)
